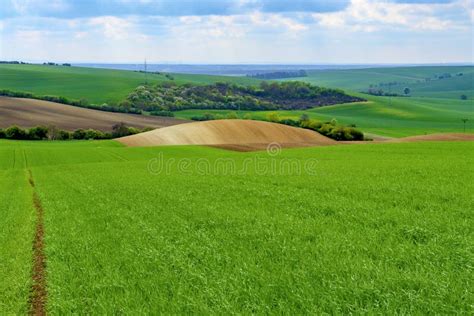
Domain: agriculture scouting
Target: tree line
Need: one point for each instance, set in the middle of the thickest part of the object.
(279, 75)
(292, 95)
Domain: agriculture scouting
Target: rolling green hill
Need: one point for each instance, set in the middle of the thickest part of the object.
(96, 85)
(434, 105)
(414, 78)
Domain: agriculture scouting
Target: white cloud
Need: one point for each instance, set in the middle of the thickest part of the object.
(276, 21)
(31, 35)
(80, 35)
(236, 26)
(113, 27)
(371, 15)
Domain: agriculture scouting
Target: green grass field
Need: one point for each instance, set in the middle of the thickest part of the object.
(98, 86)
(380, 228)
(16, 232)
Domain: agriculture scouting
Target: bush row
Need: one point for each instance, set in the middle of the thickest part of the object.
(330, 129)
(162, 113)
(54, 133)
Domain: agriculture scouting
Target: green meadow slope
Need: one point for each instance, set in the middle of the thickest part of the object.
(366, 229)
(434, 106)
(411, 77)
(394, 117)
(98, 86)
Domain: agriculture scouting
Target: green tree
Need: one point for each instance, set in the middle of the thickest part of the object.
(406, 91)
(15, 132)
(79, 134)
(38, 133)
(120, 130)
(304, 117)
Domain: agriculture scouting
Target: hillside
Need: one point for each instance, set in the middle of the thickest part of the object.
(395, 117)
(97, 86)
(434, 105)
(422, 81)
(245, 133)
(29, 113)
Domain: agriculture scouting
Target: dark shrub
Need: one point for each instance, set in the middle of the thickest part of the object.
(79, 134)
(205, 117)
(133, 131)
(162, 113)
(355, 134)
(337, 133)
(38, 133)
(304, 117)
(289, 122)
(15, 132)
(93, 134)
(64, 135)
(120, 130)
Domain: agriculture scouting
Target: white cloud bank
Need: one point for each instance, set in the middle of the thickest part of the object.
(370, 16)
(253, 37)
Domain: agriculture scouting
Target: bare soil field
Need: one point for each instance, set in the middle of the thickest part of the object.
(242, 135)
(29, 113)
(249, 135)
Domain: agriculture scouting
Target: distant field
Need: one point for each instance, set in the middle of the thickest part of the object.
(28, 113)
(381, 228)
(411, 77)
(98, 86)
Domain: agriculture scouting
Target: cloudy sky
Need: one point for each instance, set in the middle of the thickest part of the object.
(238, 31)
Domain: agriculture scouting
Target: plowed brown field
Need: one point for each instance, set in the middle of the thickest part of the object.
(28, 113)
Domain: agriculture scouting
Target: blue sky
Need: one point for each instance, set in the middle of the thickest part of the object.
(237, 31)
